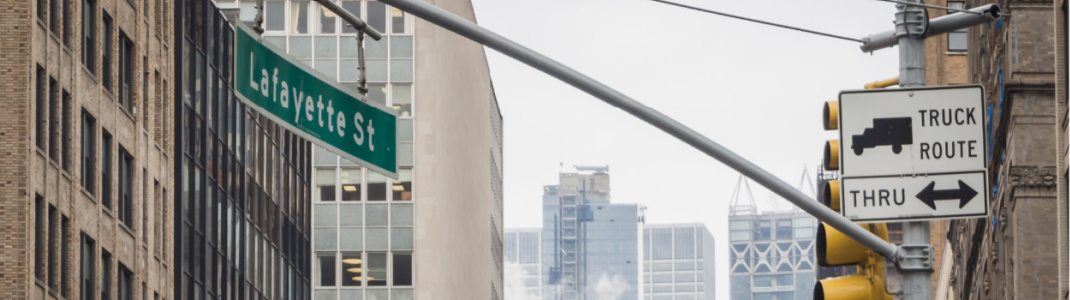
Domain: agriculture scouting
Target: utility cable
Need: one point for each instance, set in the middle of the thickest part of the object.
(760, 21)
(933, 6)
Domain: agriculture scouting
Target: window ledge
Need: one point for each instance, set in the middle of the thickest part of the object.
(88, 195)
(89, 73)
(41, 152)
(956, 53)
(107, 211)
(127, 229)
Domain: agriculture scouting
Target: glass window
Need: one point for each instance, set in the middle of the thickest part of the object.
(326, 270)
(327, 20)
(350, 178)
(325, 184)
(764, 230)
(274, 15)
(53, 122)
(352, 7)
(299, 13)
(783, 229)
(403, 186)
(89, 33)
(804, 233)
(89, 146)
(326, 238)
(377, 15)
(105, 169)
(376, 269)
(402, 269)
(352, 215)
(401, 238)
(763, 281)
(40, 239)
(89, 264)
(42, 109)
(350, 238)
(352, 269)
(400, 21)
(126, 188)
(956, 40)
(402, 98)
(376, 186)
(784, 280)
(684, 240)
(740, 225)
(325, 214)
(105, 272)
(106, 53)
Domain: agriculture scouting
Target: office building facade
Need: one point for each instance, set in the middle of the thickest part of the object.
(436, 230)
(678, 262)
(242, 225)
(85, 180)
(771, 254)
(590, 246)
(523, 264)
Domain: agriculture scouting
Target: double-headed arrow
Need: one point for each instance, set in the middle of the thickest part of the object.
(930, 196)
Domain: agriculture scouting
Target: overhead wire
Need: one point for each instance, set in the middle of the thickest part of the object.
(761, 22)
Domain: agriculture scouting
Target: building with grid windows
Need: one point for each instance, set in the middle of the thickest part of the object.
(437, 230)
(523, 264)
(590, 246)
(242, 225)
(85, 173)
(678, 262)
(771, 254)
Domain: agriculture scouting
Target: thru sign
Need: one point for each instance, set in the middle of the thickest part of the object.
(913, 154)
(309, 104)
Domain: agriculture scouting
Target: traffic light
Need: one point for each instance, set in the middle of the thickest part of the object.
(836, 249)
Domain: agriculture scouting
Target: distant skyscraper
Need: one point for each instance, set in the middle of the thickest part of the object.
(678, 262)
(771, 254)
(522, 261)
(590, 247)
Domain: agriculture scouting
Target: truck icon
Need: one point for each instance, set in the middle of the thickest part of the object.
(885, 131)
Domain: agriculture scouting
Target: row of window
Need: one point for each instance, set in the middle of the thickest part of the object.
(124, 276)
(306, 17)
(676, 288)
(666, 277)
(53, 115)
(684, 265)
(357, 269)
(51, 236)
(762, 230)
(673, 243)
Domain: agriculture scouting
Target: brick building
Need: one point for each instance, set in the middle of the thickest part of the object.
(1013, 253)
(86, 163)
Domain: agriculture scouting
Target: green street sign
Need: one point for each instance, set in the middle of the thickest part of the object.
(312, 105)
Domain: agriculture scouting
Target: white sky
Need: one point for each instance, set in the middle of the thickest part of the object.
(753, 88)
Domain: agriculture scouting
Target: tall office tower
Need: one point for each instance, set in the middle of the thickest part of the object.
(678, 262)
(590, 246)
(771, 254)
(86, 165)
(523, 265)
(242, 226)
(436, 231)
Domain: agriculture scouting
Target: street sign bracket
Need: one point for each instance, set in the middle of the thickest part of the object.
(915, 258)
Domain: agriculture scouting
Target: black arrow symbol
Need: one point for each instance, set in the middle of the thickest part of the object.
(930, 196)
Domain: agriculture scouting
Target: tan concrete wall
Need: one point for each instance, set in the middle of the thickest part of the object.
(455, 216)
(28, 43)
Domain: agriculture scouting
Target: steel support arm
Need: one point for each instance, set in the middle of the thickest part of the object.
(937, 26)
(601, 91)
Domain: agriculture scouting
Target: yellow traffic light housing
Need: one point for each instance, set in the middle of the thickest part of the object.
(836, 249)
(832, 155)
(830, 194)
(832, 115)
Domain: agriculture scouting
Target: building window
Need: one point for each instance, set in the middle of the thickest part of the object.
(106, 61)
(53, 16)
(88, 267)
(376, 186)
(956, 40)
(42, 115)
(53, 249)
(89, 34)
(402, 269)
(67, 8)
(326, 264)
(376, 263)
(783, 229)
(41, 11)
(40, 247)
(65, 254)
(126, 281)
(126, 66)
(65, 135)
(351, 184)
(403, 186)
(53, 119)
(126, 188)
(105, 272)
(325, 184)
(764, 230)
(105, 169)
(89, 130)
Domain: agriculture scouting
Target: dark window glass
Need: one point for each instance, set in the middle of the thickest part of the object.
(89, 139)
(956, 40)
(53, 249)
(126, 187)
(377, 15)
(105, 169)
(376, 263)
(53, 119)
(764, 230)
(41, 10)
(65, 136)
(53, 16)
(67, 8)
(125, 283)
(89, 34)
(126, 66)
(105, 278)
(65, 254)
(106, 53)
(42, 115)
(402, 269)
(326, 272)
(89, 269)
(275, 15)
(352, 269)
(40, 248)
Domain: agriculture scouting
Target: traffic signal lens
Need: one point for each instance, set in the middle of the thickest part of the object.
(830, 194)
(832, 115)
(832, 155)
(846, 287)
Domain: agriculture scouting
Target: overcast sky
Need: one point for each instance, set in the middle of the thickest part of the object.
(753, 88)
